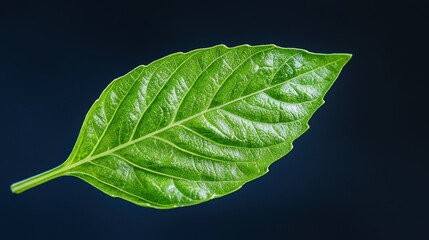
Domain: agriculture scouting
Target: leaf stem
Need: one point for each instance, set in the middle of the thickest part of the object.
(34, 181)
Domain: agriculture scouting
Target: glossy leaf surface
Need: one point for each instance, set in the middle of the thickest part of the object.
(194, 126)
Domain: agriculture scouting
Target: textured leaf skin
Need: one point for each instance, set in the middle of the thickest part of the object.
(195, 126)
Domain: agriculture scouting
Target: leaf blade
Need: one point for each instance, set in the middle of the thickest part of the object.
(194, 126)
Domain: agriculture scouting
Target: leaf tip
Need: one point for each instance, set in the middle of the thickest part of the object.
(346, 56)
(340, 59)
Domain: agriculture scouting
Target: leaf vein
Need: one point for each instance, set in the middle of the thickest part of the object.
(145, 98)
(165, 174)
(157, 94)
(221, 144)
(196, 79)
(196, 154)
(114, 113)
(233, 71)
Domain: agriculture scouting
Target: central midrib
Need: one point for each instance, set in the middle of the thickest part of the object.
(106, 153)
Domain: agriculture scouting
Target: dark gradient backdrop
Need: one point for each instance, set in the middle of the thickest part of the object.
(358, 173)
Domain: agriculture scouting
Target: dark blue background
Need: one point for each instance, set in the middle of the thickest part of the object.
(358, 173)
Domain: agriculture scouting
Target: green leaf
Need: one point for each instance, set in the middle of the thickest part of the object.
(195, 126)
